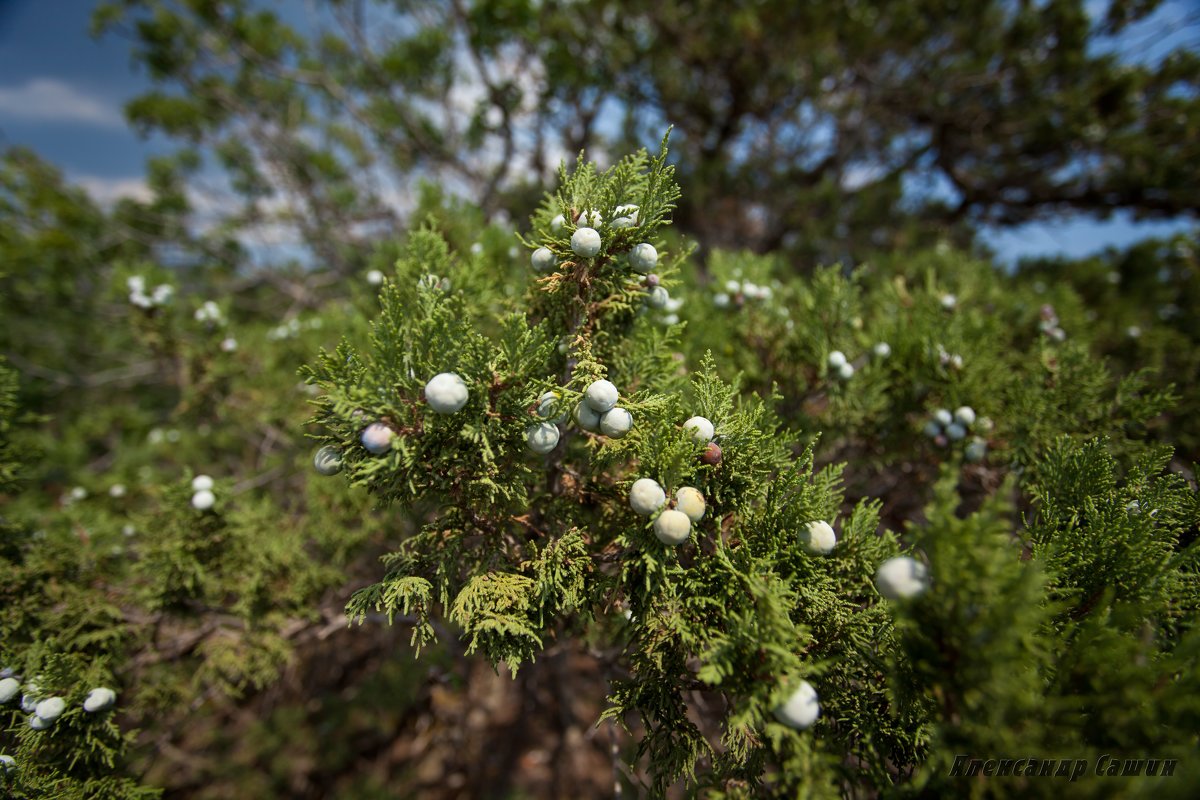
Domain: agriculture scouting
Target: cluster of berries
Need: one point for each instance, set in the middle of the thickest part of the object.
(702, 432)
(948, 359)
(597, 412)
(840, 366)
(46, 710)
(1049, 324)
(446, 393)
(202, 493)
(944, 428)
(673, 525)
(738, 292)
(289, 329)
(210, 314)
(161, 295)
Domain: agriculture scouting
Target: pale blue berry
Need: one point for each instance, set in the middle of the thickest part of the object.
(550, 406)
(543, 260)
(99, 699)
(965, 415)
(585, 242)
(446, 393)
(801, 709)
(586, 417)
(700, 429)
(51, 708)
(541, 437)
(377, 438)
(672, 527)
(203, 500)
(818, 537)
(659, 297)
(328, 460)
(643, 258)
(900, 578)
(646, 496)
(601, 395)
(616, 422)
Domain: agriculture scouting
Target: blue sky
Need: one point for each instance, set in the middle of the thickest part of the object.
(61, 93)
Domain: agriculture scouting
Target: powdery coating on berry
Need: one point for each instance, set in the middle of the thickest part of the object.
(7, 762)
(932, 429)
(943, 417)
(646, 496)
(550, 406)
(818, 537)
(643, 258)
(965, 415)
(543, 260)
(374, 277)
(8, 689)
(38, 724)
(541, 437)
(616, 422)
(601, 395)
(672, 527)
(837, 359)
(949, 301)
(883, 349)
(955, 431)
(557, 223)
(700, 429)
(976, 450)
(801, 709)
(659, 297)
(51, 708)
(690, 501)
(201, 482)
(446, 393)
(586, 417)
(203, 500)
(846, 371)
(585, 242)
(327, 460)
(900, 578)
(99, 699)
(377, 438)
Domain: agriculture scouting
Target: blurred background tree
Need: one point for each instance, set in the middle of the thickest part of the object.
(830, 129)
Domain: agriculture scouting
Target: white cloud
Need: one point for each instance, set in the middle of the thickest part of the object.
(52, 100)
(107, 191)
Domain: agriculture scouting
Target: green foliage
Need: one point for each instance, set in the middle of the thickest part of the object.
(1059, 531)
